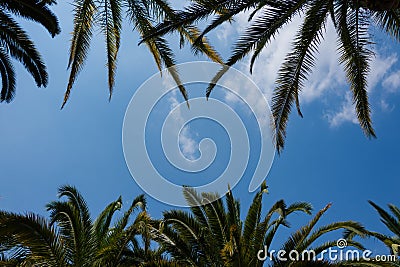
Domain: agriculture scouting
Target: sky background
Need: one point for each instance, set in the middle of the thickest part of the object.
(327, 159)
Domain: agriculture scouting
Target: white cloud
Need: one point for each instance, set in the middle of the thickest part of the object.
(392, 82)
(188, 145)
(385, 106)
(346, 113)
(186, 142)
(379, 67)
(327, 76)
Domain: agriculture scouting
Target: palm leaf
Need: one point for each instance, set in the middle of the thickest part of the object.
(297, 67)
(355, 56)
(20, 47)
(387, 219)
(259, 33)
(158, 46)
(7, 77)
(110, 20)
(34, 10)
(84, 12)
(389, 21)
(33, 232)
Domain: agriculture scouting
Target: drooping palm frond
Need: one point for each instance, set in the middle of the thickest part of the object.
(143, 14)
(15, 42)
(20, 47)
(351, 20)
(195, 12)
(158, 46)
(297, 66)
(355, 55)
(389, 21)
(7, 77)
(36, 11)
(187, 32)
(44, 245)
(110, 20)
(260, 32)
(84, 12)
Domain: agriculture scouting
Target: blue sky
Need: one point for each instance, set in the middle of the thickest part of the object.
(326, 158)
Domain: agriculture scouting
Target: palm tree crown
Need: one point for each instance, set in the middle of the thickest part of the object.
(108, 14)
(351, 19)
(15, 42)
(72, 238)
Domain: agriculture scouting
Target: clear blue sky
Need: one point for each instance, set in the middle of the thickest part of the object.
(326, 158)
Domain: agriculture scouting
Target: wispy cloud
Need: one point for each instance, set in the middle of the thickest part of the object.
(187, 143)
(327, 76)
(346, 113)
(392, 83)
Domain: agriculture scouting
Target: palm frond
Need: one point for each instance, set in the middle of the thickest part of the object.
(102, 224)
(259, 33)
(158, 46)
(84, 13)
(191, 14)
(33, 232)
(387, 219)
(20, 47)
(352, 29)
(347, 225)
(35, 10)
(7, 77)
(389, 21)
(296, 67)
(110, 20)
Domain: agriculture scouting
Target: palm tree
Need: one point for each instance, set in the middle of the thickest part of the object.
(107, 14)
(213, 234)
(15, 42)
(71, 238)
(350, 18)
(303, 241)
(392, 222)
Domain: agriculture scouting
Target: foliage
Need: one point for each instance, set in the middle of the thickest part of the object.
(351, 20)
(16, 44)
(213, 233)
(142, 14)
(72, 238)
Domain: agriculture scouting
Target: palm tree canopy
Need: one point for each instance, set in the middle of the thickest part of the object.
(392, 222)
(15, 42)
(72, 238)
(142, 14)
(351, 20)
(213, 233)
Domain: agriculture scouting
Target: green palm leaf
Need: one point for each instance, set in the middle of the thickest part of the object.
(355, 56)
(32, 231)
(110, 20)
(84, 12)
(7, 77)
(296, 67)
(34, 10)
